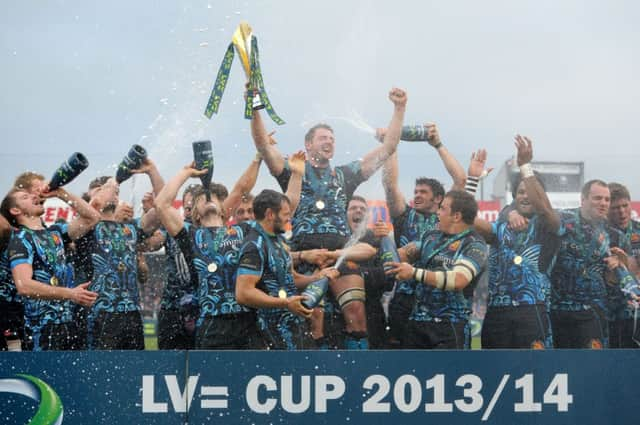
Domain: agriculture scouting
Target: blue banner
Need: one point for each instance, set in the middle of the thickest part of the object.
(328, 387)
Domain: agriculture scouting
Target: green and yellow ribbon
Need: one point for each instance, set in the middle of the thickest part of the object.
(255, 82)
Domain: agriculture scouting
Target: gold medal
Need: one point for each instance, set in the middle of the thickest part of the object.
(517, 260)
(320, 204)
(212, 267)
(282, 293)
(53, 281)
(121, 267)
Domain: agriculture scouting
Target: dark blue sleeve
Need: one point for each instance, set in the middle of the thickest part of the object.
(284, 177)
(353, 177)
(20, 250)
(251, 260)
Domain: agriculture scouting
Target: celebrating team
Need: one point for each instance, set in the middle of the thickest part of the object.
(559, 279)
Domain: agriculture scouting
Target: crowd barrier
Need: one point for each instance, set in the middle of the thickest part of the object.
(320, 387)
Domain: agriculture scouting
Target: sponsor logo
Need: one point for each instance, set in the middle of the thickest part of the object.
(50, 410)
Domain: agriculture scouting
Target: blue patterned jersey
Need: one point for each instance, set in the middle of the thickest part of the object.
(214, 253)
(269, 259)
(331, 188)
(627, 239)
(409, 227)
(520, 263)
(633, 234)
(8, 291)
(111, 264)
(439, 252)
(178, 275)
(44, 251)
(578, 277)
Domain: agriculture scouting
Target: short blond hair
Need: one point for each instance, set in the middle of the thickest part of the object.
(24, 181)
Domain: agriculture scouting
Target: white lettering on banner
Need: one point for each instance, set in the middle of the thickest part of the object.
(287, 394)
(406, 394)
(326, 387)
(181, 399)
(215, 403)
(252, 394)
(148, 400)
(329, 387)
(488, 215)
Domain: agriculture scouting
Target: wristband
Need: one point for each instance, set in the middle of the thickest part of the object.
(418, 274)
(471, 184)
(526, 170)
(438, 146)
(450, 278)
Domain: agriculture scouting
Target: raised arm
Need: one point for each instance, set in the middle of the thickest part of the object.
(296, 165)
(265, 145)
(396, 202)
(374, 159)
(150, 221)
(451, 164)
(476, 170)
(169, 216)
(149, 168)
(5, 230)
(535, 192)
(87, 218)
(243, 186)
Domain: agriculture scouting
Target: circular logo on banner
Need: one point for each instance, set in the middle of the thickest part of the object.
(50, 410)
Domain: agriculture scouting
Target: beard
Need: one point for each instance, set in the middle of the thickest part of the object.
(109, 208)
(278, 227)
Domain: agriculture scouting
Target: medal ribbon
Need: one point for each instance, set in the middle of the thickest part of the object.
(218, 236)
(316, 182)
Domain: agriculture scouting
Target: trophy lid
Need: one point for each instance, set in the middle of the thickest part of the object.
(242, 40)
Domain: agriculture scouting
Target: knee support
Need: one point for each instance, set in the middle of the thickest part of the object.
(350, 295)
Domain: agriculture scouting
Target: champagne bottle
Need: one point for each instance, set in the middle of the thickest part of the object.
(315, 291)
(131, 161)
(388, 253)
(203, 157)
(414, 133)
(69, 170)
(626, 280)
